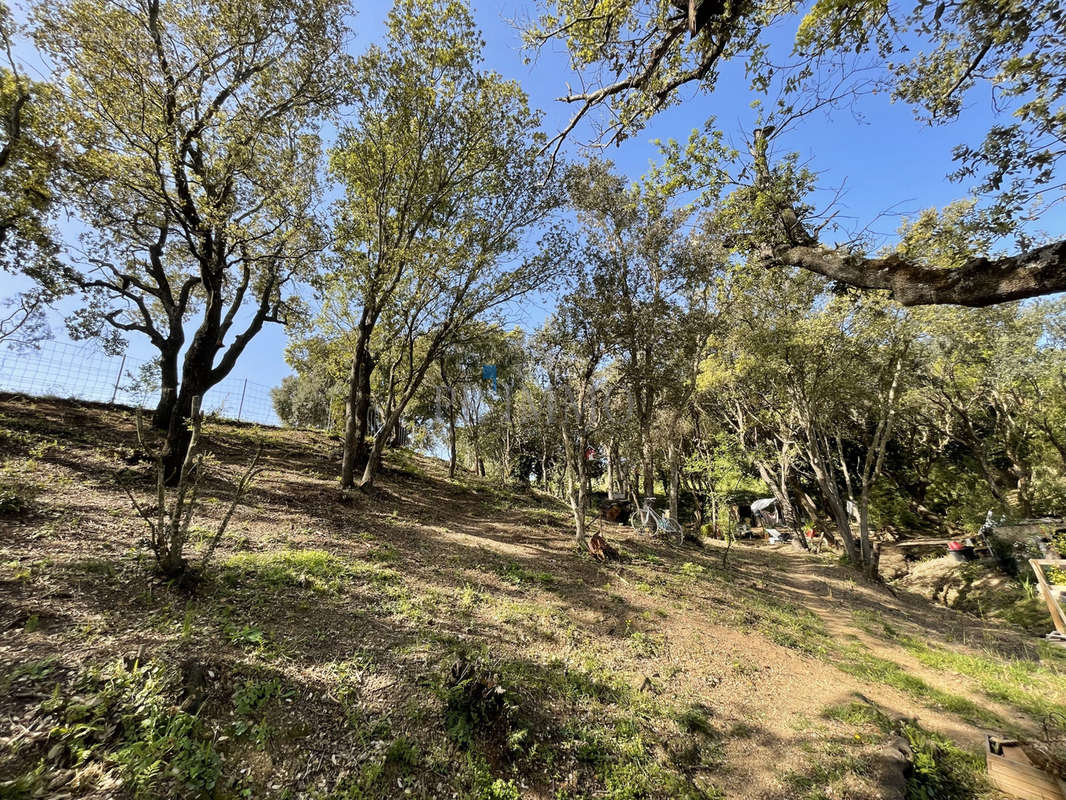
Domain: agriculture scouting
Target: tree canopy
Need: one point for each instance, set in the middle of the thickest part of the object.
(634, 58)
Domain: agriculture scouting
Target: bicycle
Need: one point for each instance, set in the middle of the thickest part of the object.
(646, 517)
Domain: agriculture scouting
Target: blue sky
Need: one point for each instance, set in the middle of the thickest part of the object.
(887, 161)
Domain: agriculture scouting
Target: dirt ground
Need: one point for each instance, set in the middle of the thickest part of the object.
(718, 679)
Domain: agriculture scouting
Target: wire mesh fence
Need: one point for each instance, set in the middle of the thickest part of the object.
(81, 371)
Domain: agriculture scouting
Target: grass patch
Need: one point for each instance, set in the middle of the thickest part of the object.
(314, 569)
(941, 769)
(859, 662)
(317, 570)
(517, 575)
(1026, 685)
(786, 624)
(828, 768)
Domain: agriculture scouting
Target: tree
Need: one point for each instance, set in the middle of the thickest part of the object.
(813, 383)
(987, 382)
(488, 405)
(196, 167)
(570, 350)
(23, 316)
(451, 376)
(930, 55)
(640, 281)
(305, 401)
(442, 178)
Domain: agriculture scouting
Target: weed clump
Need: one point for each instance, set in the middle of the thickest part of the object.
(941, 770)
(475, 700)
(12, 501)
(125, 718)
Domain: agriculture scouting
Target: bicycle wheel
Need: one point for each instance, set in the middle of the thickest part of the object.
(638, 521)
(670, 526)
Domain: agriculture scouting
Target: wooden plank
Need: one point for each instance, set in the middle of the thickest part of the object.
(1057, 615)
(1043, 786)
(1025, 792)
(1012, 774)
(924, 542)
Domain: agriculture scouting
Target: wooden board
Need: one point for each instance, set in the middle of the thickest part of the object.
(923, 543)
(1014, 774)
(1057, 614)
(977, 548)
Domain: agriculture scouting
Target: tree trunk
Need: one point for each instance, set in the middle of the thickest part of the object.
(675, 469)
(577, 506)
(196, 379)
(647, 452)
(168, 392)
(452, 452)
(544, 460)
(779, 489)
(477, 449)
(507, 433)
(788, 511)
(575, 475)
(869, 567)
(178, 438)
(831, 494)
(357, 418)
(395, 413)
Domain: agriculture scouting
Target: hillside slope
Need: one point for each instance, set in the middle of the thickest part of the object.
(444, 639)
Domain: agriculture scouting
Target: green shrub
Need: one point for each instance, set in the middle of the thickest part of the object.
(941, 771)
(12, 501)
(692, 571)
(250, 701)
(125, 719)
(500, 789)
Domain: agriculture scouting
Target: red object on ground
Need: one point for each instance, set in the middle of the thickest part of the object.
(955, 545)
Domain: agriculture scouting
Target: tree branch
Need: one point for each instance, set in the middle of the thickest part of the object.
(978, 282)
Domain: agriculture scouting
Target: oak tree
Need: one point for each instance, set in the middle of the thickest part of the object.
(443, 176)
(196, 171)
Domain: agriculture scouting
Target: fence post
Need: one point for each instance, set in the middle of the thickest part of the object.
(118, 378)
(240, 408)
